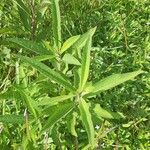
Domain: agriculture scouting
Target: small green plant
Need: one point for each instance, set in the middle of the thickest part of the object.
(64, 69)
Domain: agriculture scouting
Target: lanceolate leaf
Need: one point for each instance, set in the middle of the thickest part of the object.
(83, 38)
(24, 13)
(56, 26)
(58, 113)
(100, 112)
(69, 42)
(51, 101)
(29, 102)
(71, 123)
(87, 120)
(86, 59)
(112, 81)
(31, 45)
(12, 118)
(45, 70)
(44, 57)
(69, 59)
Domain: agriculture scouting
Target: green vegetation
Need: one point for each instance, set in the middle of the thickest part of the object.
(74, 75)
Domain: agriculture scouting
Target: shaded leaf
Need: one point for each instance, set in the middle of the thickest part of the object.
(31, 104)
(31, 45)
(58, 113)
(45, 70)
(12, 118)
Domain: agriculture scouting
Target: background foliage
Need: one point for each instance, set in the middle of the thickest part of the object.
(120, 44)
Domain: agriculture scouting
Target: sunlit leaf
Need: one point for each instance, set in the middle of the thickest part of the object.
(44, 57)
(100, 112)
(112, 81)
(56, 26)
(50, 101)
(69, 42)
(87, 120)
(86, 60)
(69, 59)
(71, 123)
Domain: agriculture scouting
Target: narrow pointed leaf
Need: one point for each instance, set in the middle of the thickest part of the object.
(86, 60)
(87, 120)
(58, 113)
(44, 57)
(82, 39)
(69, 42)
(71, 123)
(112, 81)
(12, 118)
(102, 113)
(29, 102)
(31, 45)
(56, 23)
(24, 13)
(51, 101)
(69, 59)
(45, 70)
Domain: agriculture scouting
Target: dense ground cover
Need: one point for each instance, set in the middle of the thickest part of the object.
(49, 97)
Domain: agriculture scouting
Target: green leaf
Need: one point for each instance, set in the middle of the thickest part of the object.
(31, 45)
(83, 38)
(12, 118)
(24, 14)
(57, 113)
(45, 70)
(86, 60)
(44, 4)
(31, 104)
(69, 42)
(112, 81)
(100, 112)
(71, 123)
(76, 73)
(44, 57)
(69, 59)
(54, 100)
(56, 23)
(87, 120)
